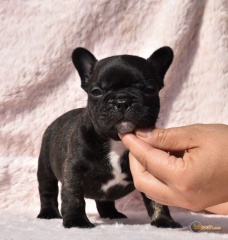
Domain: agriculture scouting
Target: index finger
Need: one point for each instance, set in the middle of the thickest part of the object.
(158, 162)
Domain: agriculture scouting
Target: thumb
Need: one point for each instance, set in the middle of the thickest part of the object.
(157, 162)
(170, 139)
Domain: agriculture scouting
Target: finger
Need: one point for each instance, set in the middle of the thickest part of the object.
(152, 187)
(171, 139)
(157, 162)
(136, 166)
(145, 182)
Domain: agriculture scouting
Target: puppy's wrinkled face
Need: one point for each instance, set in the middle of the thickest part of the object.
(122, 90)
(122, 95)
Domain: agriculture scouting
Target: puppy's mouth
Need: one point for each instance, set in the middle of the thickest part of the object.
(125, 127)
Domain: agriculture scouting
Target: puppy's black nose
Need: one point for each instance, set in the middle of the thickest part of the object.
(122, 104)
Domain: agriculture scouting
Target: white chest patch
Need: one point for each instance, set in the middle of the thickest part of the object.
(116, 151)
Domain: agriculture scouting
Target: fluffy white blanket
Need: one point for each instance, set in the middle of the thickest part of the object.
(39, 83)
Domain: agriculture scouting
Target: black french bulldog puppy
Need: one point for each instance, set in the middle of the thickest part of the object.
(82, 149)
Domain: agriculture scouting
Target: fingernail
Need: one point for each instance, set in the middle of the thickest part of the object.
(120, 135)
(144, 133)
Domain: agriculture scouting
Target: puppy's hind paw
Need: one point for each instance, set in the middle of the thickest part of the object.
(165, 222)
(116, 215)
(79, 222)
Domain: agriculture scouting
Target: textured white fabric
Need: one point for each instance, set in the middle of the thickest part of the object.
(39, 83)
(19, 206)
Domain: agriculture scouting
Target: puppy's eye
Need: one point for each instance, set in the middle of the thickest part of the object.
(150, 90)
(96, 92)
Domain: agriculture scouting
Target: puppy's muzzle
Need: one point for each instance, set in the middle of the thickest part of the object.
(122, 104)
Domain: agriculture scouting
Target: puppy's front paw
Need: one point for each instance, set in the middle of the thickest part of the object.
(114, 215)
(77, 222)
(49, 213)
(165, 222)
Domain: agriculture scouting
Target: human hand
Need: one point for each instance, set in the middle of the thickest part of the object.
(196, 179)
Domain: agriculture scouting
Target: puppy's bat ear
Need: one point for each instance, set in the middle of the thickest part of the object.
(84, 62)
(161, 59)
